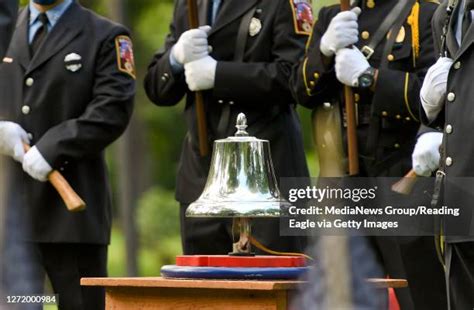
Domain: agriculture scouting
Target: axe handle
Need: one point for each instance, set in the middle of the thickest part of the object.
(352, 150)
(200, 112)
(405, 185)
(345, 5)
(71, 199)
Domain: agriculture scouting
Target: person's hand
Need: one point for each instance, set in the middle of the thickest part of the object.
(426, 156)
(12, 137)
(350, 64)
(434, 87)
(201, 74)
(343, 31)
(36, 166)
(192, 45)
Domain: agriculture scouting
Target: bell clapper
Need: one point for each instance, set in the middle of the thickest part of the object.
(242, 247)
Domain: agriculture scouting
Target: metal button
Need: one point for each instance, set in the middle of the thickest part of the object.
(231, 102)
(451, 97)
(29, 82)
(370, 4)
(163, 78)
(449, 161)
(25, 109)
(365, 35)
(312, 83)
(457, 65)
(166, 75)
(316, 75)
(356, 97)
(220, 101)
(30, 136)
(390, 57)
(66, 162)
(398, 116)
(396, 145)
(62, 168)
(327, 105)
(384, 113)
(449, 129)
(407, 118)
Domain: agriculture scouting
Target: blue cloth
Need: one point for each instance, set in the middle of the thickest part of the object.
(176, 67)
(53, 16)
(247, 273)
(215, 8)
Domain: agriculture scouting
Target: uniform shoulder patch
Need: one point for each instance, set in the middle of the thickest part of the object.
(302, 16)
(125, 58)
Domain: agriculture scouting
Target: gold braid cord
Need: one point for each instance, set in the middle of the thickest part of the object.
(263, 248)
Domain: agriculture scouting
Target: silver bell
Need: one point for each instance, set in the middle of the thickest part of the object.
(241, 180)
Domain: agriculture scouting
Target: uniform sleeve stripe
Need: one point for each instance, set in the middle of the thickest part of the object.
(308, 90)
(407, 79)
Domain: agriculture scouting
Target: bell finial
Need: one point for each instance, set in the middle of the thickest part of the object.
(241, 125)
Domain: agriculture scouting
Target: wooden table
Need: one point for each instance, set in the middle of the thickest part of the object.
(175, 294)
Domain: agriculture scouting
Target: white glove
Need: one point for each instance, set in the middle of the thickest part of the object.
(343, 31)
(192, 45)
(12, 137)
(36, 166)
(434, 87)
(425, 157)
(350, 64)
(201, 74)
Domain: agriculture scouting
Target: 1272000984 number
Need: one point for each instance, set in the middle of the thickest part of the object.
(43, 299)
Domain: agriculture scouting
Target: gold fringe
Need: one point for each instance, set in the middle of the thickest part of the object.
(413, 21)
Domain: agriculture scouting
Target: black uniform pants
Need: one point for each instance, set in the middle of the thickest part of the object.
(413, 257)
(460, 275)
(214, 235)
(65, 264)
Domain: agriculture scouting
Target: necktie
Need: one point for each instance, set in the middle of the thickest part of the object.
(40, 34)
(467, 17)
(215, 9)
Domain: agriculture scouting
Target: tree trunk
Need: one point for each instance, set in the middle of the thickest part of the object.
(128, 166)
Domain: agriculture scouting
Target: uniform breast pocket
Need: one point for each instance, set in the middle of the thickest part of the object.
(75, 69)
(403, 46)
(401, 49)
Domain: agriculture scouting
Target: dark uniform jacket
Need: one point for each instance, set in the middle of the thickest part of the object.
(456, 120)
(258, 86)
(388, 125)
(72, 109)
(8, 11)
(391, 113)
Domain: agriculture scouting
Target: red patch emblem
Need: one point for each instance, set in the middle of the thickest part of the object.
(125, 58)
(302, 16)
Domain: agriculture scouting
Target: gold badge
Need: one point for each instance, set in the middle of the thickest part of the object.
(400, 36)
(255, 27)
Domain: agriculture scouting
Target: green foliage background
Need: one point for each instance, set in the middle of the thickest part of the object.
(163, 129)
